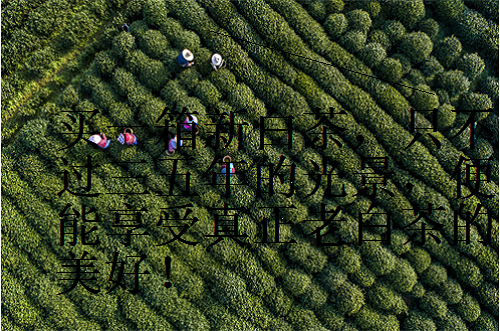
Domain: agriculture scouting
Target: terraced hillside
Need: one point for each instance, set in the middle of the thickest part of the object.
(364, 136)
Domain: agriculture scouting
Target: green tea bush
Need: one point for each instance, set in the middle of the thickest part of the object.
(307, 256)
(482, 150)
(224, 80)
(348, 259)
(447, 50)
(435, 275)
(79, 28)
(468, 308)
(170, 28)
(103, 96)
(403, 277)
(123, 44)
(304, 319)
(390, 69)
(468, 272)
(68, 98)
(424, 101)
(454, 81)
(154, 44)
(317, 9)
(150, 111)
(359, 20)
(332, 277)
(432, 305)
(16, 49)
(431, 67)
(472, 65)
(417, 46)
(134, 10)
(373, 8)
(334, 6)
(405, 62)
(418, 321)
(187, 39)
(47, 18)
(296, 281)
(273, 262)
(348, 299)
(373, 54)
(478, 32)
(335, 25)
(489, 85)
(386, 299)
(489, 8)
(314, 297)
(105, 63)
(395, 30)
(173, 92)
(419, 258)
(418, 291)
(450, 10)
(451, 322)
(139, 28)
(380, 37)
(430, 27)
(475, 101)
(152, 73)
(485, 321)
(378, 258)
(487, 295)
(207, 92)
(353, 41)
(363, 276)
(121, 114)
(444, 97)
(154, 12)
(39, 62)
(408, 12)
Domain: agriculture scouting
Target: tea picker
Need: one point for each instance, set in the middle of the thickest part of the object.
(125, 27)
(100, 140)
(232, 170)
(185, 59)
(172, 145)
(127, 137)
(191, 123)
(217, 62)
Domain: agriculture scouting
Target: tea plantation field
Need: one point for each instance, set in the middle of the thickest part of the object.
(364, 136)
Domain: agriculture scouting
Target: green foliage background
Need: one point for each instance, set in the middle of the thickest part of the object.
(372, 60)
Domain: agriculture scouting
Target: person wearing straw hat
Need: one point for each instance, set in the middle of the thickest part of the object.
(217, 62)
(127, 137)
(100, 140)
(172, 145)
(185, 59)
(191, 123)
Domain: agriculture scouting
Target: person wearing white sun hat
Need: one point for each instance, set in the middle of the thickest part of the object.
(185, 59)
(217, 62)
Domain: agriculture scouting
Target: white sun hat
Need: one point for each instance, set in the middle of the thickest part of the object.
(217, 59)
(96, 139)
(186, 54)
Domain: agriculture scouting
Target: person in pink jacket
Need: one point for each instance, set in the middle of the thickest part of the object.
(100, 140)
(127, 137)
